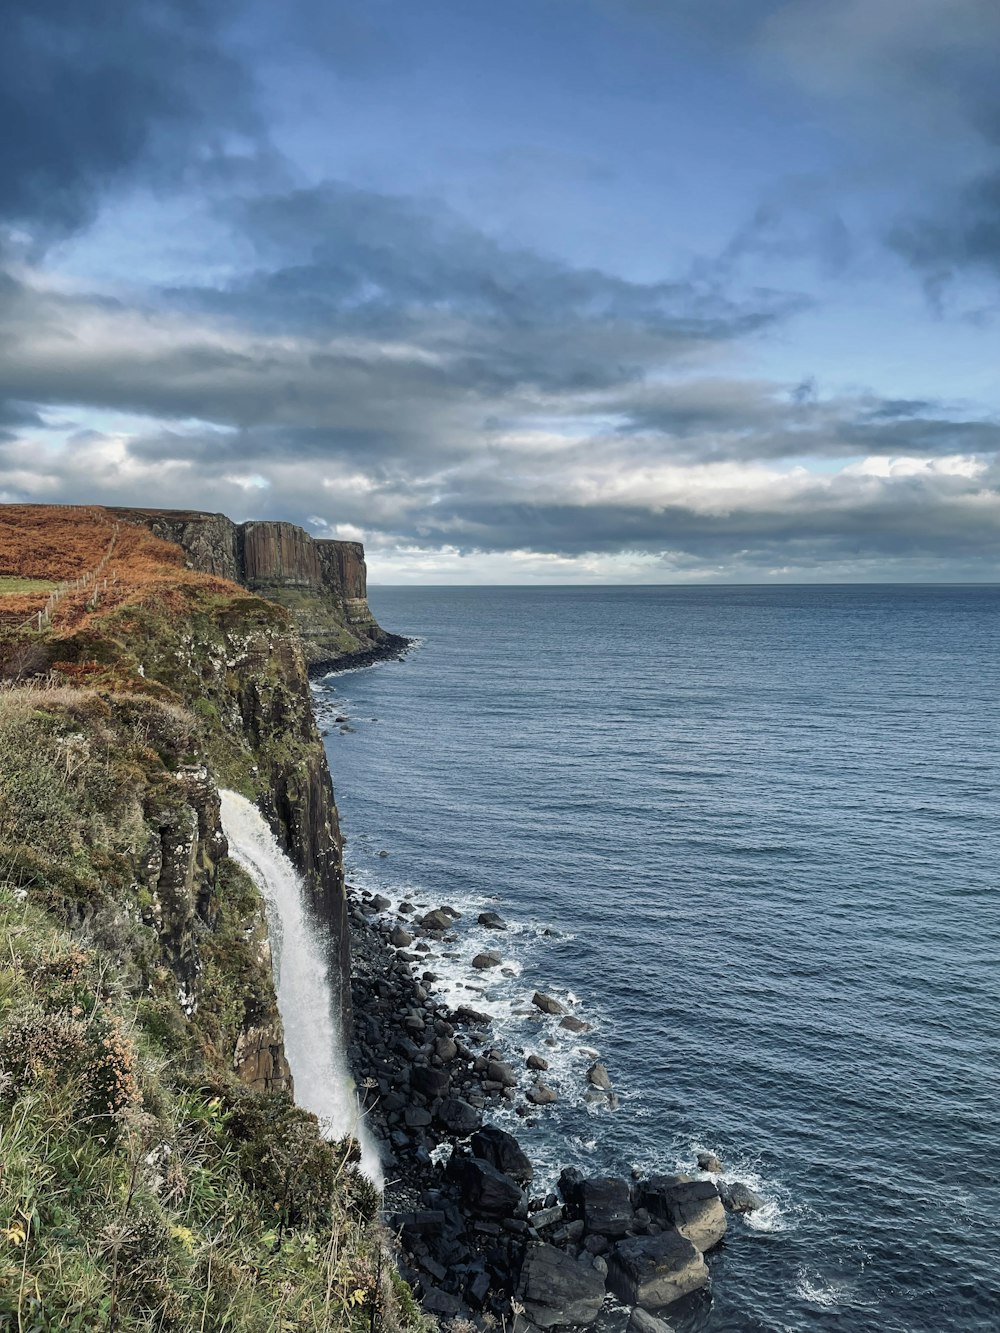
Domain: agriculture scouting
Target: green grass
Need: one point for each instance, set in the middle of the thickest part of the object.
(143, 1189)
(10, 583)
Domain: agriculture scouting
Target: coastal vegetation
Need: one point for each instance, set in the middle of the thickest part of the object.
(155, 1172)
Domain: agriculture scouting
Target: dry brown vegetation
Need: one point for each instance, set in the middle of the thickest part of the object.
(64, 542)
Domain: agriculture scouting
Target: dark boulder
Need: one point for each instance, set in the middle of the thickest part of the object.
(547, 1003)
(492, 921)
(653, 1271)
(707, 1161)
(436, 920)
(485, 1190)
(573, 1024)
(607, 1205)
(487, 959)
(738, 1197)
(431, 1082)
(555, 1290)
(540, 1094)
(458, 1117)
(503, 1151)
(692, 1206)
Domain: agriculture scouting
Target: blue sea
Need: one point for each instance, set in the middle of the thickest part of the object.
(752, 836)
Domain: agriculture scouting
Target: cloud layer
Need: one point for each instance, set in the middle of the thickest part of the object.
(379, 364)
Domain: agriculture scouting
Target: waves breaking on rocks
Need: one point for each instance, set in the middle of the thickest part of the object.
(323, 1084)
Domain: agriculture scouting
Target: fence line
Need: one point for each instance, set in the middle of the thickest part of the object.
(43, 619)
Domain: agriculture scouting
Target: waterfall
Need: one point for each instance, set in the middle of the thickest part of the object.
(322, 1082)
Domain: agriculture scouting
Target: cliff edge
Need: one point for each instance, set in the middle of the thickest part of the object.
(157, 1173)
(323, 584)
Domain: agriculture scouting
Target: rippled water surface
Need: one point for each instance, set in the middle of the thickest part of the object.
(763, 829)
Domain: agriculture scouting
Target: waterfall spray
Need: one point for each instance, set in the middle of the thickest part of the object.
(312, 1044)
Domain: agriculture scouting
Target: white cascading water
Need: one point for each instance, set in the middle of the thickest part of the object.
(319, 1067)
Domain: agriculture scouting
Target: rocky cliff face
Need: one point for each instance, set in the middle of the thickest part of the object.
(323, 584)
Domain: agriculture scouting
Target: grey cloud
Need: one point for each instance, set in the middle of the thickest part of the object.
(89, 92)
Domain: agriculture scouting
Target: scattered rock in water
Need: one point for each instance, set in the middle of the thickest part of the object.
(451, 912)
(692, 1206)
(641, 1321)
(400, 938)
(540, 1094)
(492, 921)
(341, 717)
(380, 903)
(707, 1161)
(436, 920)
(383, 852)
(499, 1071)
(463, 1014)
(738, 1197)
(597, 1075)
(654, 1271)
(555, 1290)
(407, 908)
(547, 1003)
(487, 959)
(536, 1062)
(571, 1023)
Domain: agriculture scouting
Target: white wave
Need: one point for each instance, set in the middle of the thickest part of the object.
(821, 1291)
(777, 1212)
(319, 1067)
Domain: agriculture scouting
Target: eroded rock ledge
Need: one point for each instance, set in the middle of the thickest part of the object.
(324, 584)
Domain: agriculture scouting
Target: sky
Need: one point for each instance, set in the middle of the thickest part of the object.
(654, 291)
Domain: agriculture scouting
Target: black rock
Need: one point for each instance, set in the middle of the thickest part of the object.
(571, 1187)
(607, 1205)
(503, 1151)
(492, 921)
(739, 1198)
(653, 1271)
(484, 1189)
(431, 1082)
(555, 1290)
(692, 1206)
(458, 1117)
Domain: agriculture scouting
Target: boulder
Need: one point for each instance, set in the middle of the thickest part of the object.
(653, 1271)
(458, 1117)
(401, 938)
(540, 1094)
(571, 1187)
(707, 1161)
(485, 1190)
(555, 1290)
(573, 1024)
(431, 1082)
(738, 1197)
(499, 1071)
(692, 1206)
(446, 1048)
(492, 921)
(536, 1062)
(547, 1003)
(607, 1205)
(436, 920)
(641, 1321)
(504, 1152)
(597, 1075)
(380, 903)
(487, 959)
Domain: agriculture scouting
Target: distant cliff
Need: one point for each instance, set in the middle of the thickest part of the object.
(323, 584)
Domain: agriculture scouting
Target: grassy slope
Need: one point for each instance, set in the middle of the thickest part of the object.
(141, 1185)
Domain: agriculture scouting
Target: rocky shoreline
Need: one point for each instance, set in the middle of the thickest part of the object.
(390, 649)
(475, 1241)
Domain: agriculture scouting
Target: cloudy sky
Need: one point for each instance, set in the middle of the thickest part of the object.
(540, 290)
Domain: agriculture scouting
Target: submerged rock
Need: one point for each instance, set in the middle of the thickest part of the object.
(547, 1003)
(641, 1321)
(738, 1197)
(707, 1161)
(573, 1024)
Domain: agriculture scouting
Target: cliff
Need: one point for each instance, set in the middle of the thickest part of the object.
(157, 1173)
(323, 584)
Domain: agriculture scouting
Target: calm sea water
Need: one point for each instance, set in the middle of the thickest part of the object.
(762, 826)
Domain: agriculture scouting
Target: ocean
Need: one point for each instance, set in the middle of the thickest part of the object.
(752, 836)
